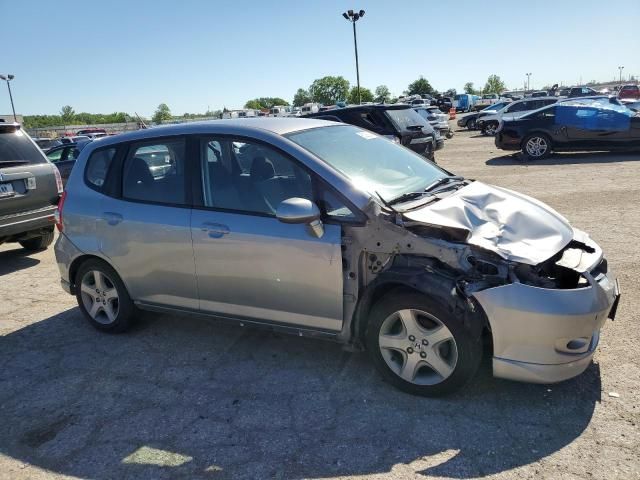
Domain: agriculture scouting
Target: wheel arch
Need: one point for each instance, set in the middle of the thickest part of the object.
(536, 132)
(432, 283)
(81, 259)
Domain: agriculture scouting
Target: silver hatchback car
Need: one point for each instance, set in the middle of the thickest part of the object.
(329, 230)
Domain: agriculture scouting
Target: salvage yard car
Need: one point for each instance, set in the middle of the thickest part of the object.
(488, 122)
(325, 229)
(29, 190)
(596, 123)
(399, 122)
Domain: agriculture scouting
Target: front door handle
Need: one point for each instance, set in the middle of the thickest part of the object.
(214, 230)
(112, 218)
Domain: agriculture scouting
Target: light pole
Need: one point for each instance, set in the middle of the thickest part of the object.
(528, 84)
(621, 68)
(353, 17)
(8, 78)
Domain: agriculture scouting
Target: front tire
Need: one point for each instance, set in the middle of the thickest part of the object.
(419, 346)
(490, 129)
(38, 243)
(536, 146)
(471, 124)
(103, 298)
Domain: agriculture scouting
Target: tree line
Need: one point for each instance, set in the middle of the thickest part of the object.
(327, 90)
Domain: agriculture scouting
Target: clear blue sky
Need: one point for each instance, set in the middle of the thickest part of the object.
(114, 55)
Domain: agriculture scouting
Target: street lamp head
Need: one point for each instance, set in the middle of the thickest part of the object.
(361, 13)
(356, 17)
(350, 12)
(345, 16)
(2, 77)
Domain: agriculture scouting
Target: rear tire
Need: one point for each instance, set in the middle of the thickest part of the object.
(536, 146)
(490, 129)
(38, 243)
(471, 124)
(419, 346)
(103, 298)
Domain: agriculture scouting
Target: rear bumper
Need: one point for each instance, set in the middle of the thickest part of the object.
(19, 223)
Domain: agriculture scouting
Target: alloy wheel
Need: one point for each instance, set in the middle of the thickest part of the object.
(418, 347)
(536, 146)
(99, 297)
(491, 129)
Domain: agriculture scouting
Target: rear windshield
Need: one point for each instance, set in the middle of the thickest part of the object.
(406, 118)
(15, 146)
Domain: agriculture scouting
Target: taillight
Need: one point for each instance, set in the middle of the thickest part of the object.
(58, 214)
(56, 172)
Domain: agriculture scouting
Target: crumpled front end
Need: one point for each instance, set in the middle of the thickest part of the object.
(546, 323)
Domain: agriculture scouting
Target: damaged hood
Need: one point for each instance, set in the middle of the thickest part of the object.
(515, 226)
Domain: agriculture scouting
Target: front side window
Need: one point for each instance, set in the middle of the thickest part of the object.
(98, 166)
(155, 172)
(372, 163)
(250, 177)
(55, 155)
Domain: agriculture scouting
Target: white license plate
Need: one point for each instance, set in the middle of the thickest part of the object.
(6, 189)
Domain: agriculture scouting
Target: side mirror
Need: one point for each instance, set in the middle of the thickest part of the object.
(301, 210)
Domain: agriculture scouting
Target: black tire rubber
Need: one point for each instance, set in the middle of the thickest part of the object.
(38, 243)
(471, 124)
(469, 348)
(529, 137)
(491, 123)
(126, 308)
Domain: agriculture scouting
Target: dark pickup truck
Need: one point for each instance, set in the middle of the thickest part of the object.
(30, 187)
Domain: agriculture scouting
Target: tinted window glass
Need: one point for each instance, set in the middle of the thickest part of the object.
(250, 177)
(403, 119)
(55, 155)
(98, 166)
(155, 172)
(16, 146)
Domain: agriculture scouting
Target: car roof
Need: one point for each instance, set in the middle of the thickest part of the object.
(277, 125)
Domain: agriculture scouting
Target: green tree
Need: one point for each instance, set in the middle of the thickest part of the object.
(301, 97)
(365, 95)
(162, 113)
(67, 114)
(329, 90)
(468, 88)
(420, 87)
(494, 85)
(382, 94)
(265, 102)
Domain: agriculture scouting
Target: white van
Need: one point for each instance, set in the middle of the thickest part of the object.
(308, 108)
(278, 111)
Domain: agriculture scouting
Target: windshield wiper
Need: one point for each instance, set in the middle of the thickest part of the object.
(415, 127)
(442, 181)
(406, 196)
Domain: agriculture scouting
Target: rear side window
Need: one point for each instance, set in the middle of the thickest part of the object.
(98, 167)
(17, 148)
(155, 172)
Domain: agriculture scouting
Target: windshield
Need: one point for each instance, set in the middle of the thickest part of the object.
(372, 163)
(496, 106)
(405, 118)
(16, 146)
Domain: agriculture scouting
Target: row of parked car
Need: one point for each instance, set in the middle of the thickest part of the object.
(540, 125)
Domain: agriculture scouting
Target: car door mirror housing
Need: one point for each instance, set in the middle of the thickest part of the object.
(297, 210)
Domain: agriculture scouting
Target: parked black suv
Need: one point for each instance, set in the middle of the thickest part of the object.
(401, 123)
(30, 187)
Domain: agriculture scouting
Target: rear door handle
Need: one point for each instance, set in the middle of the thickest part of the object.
(112, 218)
(214, 230)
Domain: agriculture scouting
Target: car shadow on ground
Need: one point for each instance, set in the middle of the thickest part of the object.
(572, 158)
(191, 398)
(16, 259)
